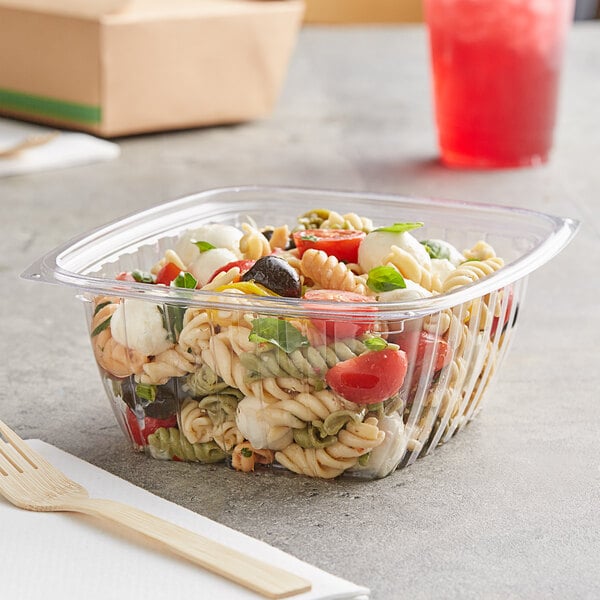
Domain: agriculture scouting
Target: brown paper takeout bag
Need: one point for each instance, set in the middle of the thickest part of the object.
(120, 67)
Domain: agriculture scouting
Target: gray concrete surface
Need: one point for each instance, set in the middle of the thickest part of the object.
(510, 507)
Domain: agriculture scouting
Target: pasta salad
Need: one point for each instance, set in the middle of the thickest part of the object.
(336, 391)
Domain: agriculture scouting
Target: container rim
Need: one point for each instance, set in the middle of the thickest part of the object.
(560, 231)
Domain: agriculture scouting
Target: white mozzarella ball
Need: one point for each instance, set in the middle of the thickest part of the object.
(207, 262)
(220, 236)
(441, 267)
(254, 427)
(385, 457)
(138, 325)
(447, 251)
(412, 291)
(375, 248)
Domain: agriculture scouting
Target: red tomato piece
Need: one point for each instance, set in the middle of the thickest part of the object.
(421, 346)
(369, 378)
(125, 276)
(242, 265)
(341, 243)
(341, 329)
(169, 272)
(140, 436)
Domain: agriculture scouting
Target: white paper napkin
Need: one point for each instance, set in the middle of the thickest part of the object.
(67, 149)
(69, 556)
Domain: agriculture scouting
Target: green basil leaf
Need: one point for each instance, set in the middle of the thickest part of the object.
(172, 318)
(309, 238)
(185, 280)
(204, 246)
(246, 452)
(385, 279)
(401, 227)
(278, 332)
(375, 343)
(146, 391)
(436, 249)
(100, 328)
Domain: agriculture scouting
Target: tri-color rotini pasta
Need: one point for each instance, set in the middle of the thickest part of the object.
(337, 387)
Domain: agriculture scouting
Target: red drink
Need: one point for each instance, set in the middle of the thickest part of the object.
(496, 67)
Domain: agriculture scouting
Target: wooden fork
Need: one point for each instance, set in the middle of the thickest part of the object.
(32, 141)
(29, 481)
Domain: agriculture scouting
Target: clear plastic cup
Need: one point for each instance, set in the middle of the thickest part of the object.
(496, 68)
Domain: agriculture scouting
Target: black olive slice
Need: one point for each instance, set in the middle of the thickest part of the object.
(274, 273)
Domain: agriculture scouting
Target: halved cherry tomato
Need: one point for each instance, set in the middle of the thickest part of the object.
(341, 329)
(369, 378)
(341, 243)
(242, 265)
(140, 436)
(125, 276)
(169, 272)
(421, 346)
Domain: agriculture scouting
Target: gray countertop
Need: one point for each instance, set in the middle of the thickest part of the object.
(510, 507)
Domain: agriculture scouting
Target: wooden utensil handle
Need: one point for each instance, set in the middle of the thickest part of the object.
(245, 570)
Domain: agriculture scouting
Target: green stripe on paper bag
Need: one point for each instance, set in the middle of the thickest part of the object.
(49, 107)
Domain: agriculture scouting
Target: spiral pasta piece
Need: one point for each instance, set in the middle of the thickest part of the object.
(298, 410)
(354, 441)
(227, 435)
(253, 244)
(348, 221)
(327, 272)
(306, 362)
(480, 251)
(280, 236)
(204, 381)
(173, 362)
(221, 317)
(113, 357)
(195, 424)
(169, 443)
(471, 271)
(357, 439)
(196, 332)
(221, 279)
(221, 407)
(438, 323)
(412, 269)
(222, 358)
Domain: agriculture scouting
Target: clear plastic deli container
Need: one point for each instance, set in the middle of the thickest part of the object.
(322, 332)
